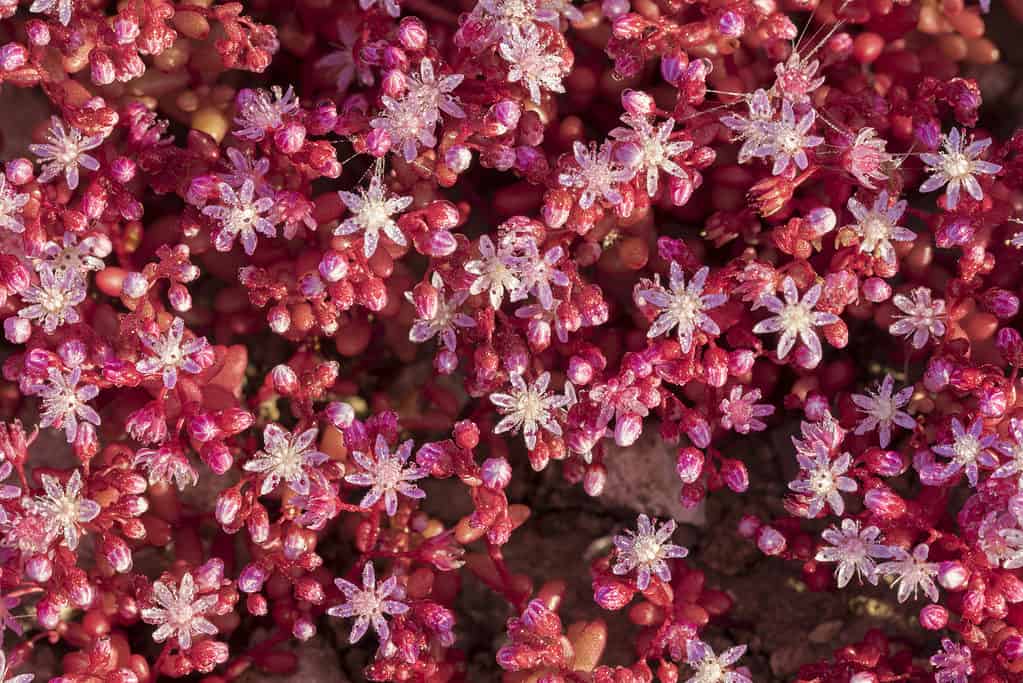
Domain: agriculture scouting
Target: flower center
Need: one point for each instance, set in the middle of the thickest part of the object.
(646, 549)
(957, 165)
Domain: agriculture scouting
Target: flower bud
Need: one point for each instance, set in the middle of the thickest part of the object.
(13, 56)
(285, 381)
(627, 429)
(735, 475)
(821, 220)
(673, 67)
(412, 34)
(748, 526)
(689, 464)
(933, 617)
(458, 158)
(594, 480)
(884, 502)
(612, 595)
(341, 415)
(467, 434)
(135, 285)
(1012, 648)
(952, 575)
(378, 142)
(731, 24)
(117, 553)
(770, 541)
(445, 362)
(48, 613)
(217, 457)
(258, 524)
(229, 504)
(290, 138)
(180, 298)
(17, 330)
(876, 290)
(39, 568)
(209, 575)
(1010, 345)
(638, 103)
(252, 578)
(885, 463)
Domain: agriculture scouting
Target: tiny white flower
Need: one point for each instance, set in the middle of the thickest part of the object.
(596, 174)
(387, 475)
(649, 149)
(52, 302)
(854, 550)
(287, 457)
(911, 572)
(878, 227)
(957, 167)
(882, 410)
(259, 112)
(683, 306)
(646, 551)
(240, 215)
(795, 319)
(922, 317)
(528, 407)
(171, 353)
(11, 204)
(180, 612)
(495, 270)
(822, 481)
(65, 152)
(369, 604)
(711, 668)
(969, 450)
(372, 212)
(64, 508)
(64, 402)
(525, 50)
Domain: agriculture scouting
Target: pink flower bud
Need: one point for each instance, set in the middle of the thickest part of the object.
(1010, 345)
(13, 56)
(731, 24)
(117, 553)
(48, 613)
(496, 473)
(252, 578)
(1000, 302)
(938, 374)
(952, 575)
(341, 415)
(612, 595)
(285, 380)
(884, 502)
(876, 290)
(39, 568)
(209, 575)
(638, 103)
(612, 9)
(17, 330)
(1012, 648)
(38, 33)
(580, 372)
(412, 34)
(933, 617)
(748, 526)
(101, 68)
(689, 464)
(627, 429)
(19, 171)
(673, 67)
(594, 480)
(740, 362)
(378, 142)
(229, 504)
(735, 475)
(180, 298)
(290, 138)
(217, 457)
(458, 158)
(135, 285)
(445, 362)
(258, 524)
(770, 541)
(821, 220)
(295, 544)
(507, 114)
(885, 463)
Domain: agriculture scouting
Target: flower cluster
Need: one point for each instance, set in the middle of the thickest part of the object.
(286, 359)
